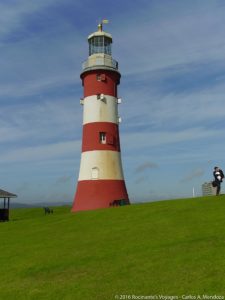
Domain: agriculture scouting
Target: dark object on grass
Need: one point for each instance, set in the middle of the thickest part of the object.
(48, 210)
(120, 202)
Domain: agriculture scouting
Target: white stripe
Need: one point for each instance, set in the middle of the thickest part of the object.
(101, 164)
(100, 110)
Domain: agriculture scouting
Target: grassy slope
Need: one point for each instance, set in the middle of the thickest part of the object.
(170, 247)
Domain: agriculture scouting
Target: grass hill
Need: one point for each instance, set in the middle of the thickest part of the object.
(163, 248)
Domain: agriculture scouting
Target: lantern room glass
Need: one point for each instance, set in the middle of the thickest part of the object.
(100, 44)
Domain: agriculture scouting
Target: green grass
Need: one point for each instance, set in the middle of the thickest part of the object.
(170, 248)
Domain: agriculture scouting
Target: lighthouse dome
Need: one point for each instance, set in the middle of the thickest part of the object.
(100, 42)
(100, 52)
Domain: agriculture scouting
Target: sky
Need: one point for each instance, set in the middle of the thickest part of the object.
(171, 57)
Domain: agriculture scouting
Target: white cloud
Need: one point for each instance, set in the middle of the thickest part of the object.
(39, 64)
(157, 109)
(10, 133)
(44, 152)
(41, 122)
(146, 140)
(13, 14)
(37, 86)
(183, 35)
(35, 61)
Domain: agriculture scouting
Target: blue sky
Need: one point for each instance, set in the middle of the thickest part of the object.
(172, 61)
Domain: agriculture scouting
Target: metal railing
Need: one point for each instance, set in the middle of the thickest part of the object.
(100, 61)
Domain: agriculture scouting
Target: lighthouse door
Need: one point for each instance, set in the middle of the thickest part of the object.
(95, 173)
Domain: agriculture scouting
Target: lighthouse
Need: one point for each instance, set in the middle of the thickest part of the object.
(101, 181)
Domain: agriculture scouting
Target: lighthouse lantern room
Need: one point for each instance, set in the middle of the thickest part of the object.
(101, 181)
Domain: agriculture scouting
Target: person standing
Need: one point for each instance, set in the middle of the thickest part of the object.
(218, 176)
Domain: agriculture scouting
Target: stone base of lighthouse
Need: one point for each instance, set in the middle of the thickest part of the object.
(94, 194)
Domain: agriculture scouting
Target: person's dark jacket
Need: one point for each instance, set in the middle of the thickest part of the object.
(218, 175)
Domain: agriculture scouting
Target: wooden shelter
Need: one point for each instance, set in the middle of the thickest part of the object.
(4, 212)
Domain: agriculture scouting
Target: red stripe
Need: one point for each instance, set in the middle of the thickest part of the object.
(91, 136)
(107, 85)
(94, 194)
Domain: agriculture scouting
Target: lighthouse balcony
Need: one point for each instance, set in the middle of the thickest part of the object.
(100, 60)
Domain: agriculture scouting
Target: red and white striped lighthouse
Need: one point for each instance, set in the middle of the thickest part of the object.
(101, 180)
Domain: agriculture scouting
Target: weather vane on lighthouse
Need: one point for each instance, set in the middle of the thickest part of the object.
(100, 24)
(101, 181)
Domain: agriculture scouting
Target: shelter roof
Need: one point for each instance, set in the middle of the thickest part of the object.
(5, 194)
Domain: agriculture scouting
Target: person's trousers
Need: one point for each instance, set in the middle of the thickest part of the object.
(218, 187)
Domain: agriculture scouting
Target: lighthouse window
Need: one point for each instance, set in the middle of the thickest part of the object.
(102, 137)
(103, 78)
(100, 77)
(100, 44)
(95, 173)
(107, 46)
